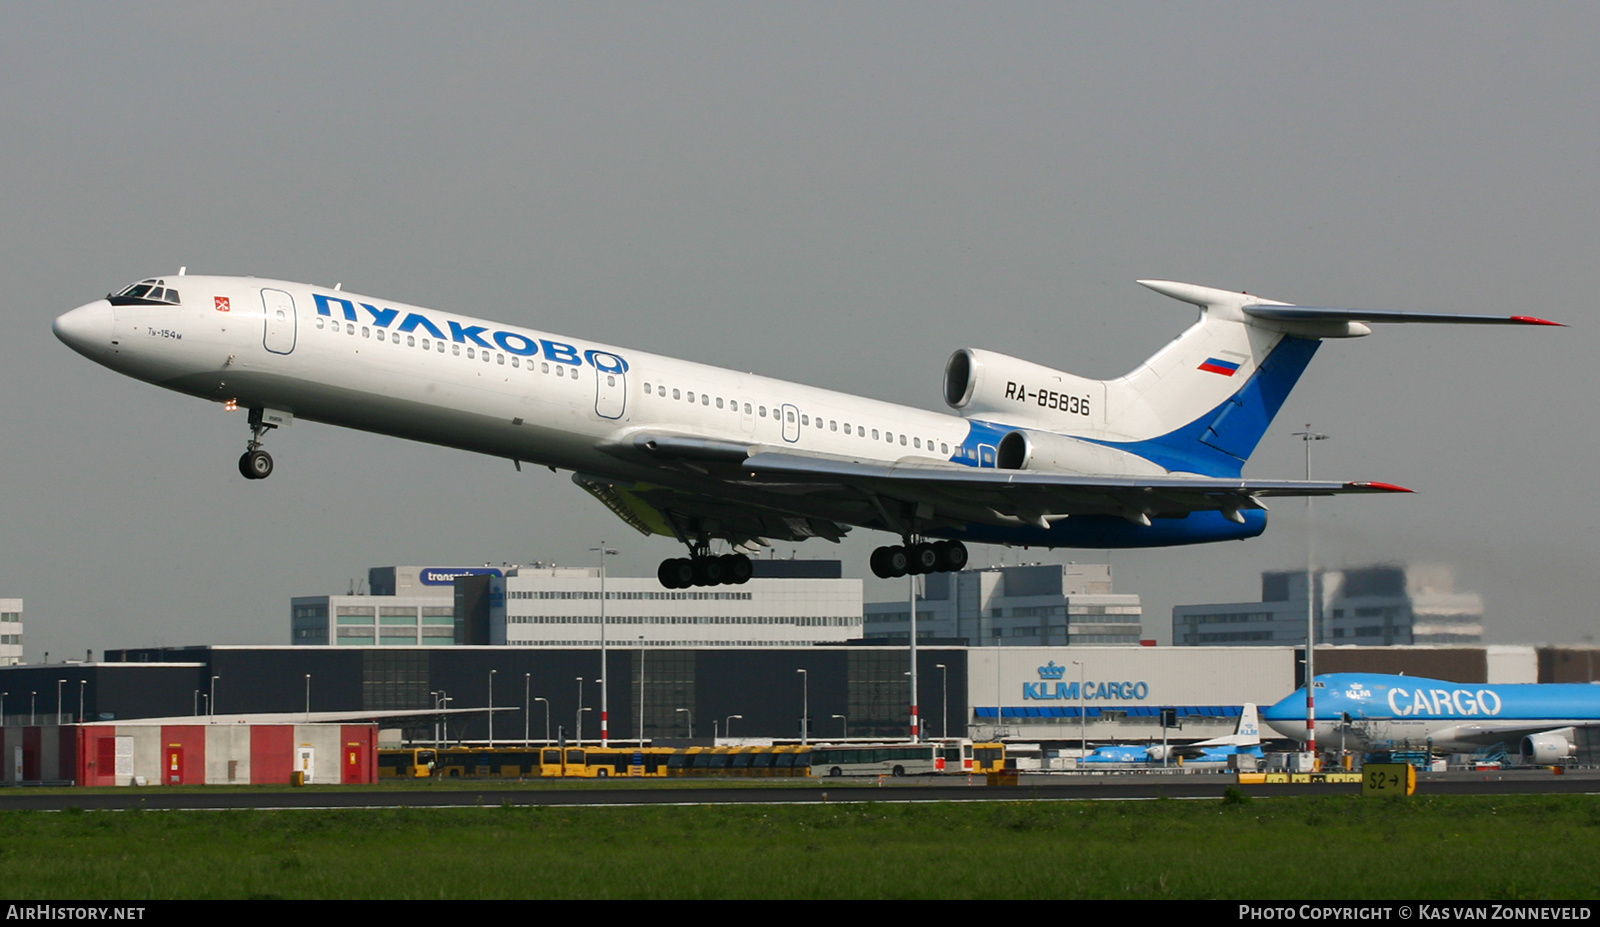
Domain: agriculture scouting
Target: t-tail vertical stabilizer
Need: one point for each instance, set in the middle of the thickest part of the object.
(1202, 403)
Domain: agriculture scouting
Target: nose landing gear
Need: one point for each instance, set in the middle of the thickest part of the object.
(256, 464)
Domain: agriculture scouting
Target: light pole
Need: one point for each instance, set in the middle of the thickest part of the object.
(211, 703)
(689, 716)
(81, 684)
(577, 728)
(3, 708)
(605, 714)
(916, 721)
(844, 727)
(527, 709)
(546, 719)
(805, 705)
(33, 701)
(727, 726)
(944, 697)
(308, 700)
(491, 708)
(641, 692)
(999, 696)
(444, 706)
(1306, 437)
(59, 684)
(1083, 711)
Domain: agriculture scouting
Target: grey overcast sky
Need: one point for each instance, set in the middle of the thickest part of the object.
(840, 194)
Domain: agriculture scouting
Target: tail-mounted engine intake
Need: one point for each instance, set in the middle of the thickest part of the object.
(1025, 449)
(985, 383)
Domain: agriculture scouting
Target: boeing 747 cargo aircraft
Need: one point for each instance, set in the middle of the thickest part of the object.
(1030, 456)
(1548, 721)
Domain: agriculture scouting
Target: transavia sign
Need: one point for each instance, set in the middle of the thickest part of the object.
(1083, 691)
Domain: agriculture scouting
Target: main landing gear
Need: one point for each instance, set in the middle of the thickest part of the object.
(917, 559)
(256, 464)
(702, 569)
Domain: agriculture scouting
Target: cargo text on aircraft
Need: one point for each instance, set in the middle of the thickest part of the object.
(509, 341)
(1407, 702)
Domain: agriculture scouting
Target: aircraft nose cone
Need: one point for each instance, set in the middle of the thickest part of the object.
(86, 329)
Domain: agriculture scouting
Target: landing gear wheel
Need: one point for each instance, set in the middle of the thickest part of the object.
(952, 556)
(922, 558)
(255, 465)
(736, 569)
(676, 573)
(889, 562)
(708, 571)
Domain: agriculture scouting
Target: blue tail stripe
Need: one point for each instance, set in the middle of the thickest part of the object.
(1218, 442)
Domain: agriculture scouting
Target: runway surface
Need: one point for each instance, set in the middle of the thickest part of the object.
(1126, 787)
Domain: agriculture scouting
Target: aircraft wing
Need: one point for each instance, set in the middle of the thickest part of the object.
(687, 514)
(1492, 733)
(747, 493)
(1010, 497)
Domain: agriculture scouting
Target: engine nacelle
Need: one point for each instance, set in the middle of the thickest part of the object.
(1025, 449)
(983, 382)
(1548, 748)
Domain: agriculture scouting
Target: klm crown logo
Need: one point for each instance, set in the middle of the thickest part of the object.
(1052, 671)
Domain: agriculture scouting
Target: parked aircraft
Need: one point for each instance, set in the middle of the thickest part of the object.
(1373, 711)
(1034, 456)
(1244, 741)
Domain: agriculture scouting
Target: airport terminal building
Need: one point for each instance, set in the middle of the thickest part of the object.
(1382, 605)
(10, 631)
(1041, 604)
(786, 603)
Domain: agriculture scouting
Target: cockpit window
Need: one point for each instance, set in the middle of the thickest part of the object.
(151, 292)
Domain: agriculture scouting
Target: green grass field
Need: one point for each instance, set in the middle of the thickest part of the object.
(1338, 847)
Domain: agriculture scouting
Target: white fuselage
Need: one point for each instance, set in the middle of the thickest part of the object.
(474, 384)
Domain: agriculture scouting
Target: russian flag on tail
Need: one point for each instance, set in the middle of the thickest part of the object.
(1218, 365)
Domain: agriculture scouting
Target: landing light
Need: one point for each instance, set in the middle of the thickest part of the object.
(231, 405)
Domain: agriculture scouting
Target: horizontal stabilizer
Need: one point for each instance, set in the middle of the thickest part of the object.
(1277, 313)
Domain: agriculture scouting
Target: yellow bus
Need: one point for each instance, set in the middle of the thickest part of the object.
(486, 763)
(408, 763)
(604, 762)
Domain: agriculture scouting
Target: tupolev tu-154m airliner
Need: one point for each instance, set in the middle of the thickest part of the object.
(1032, 456)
